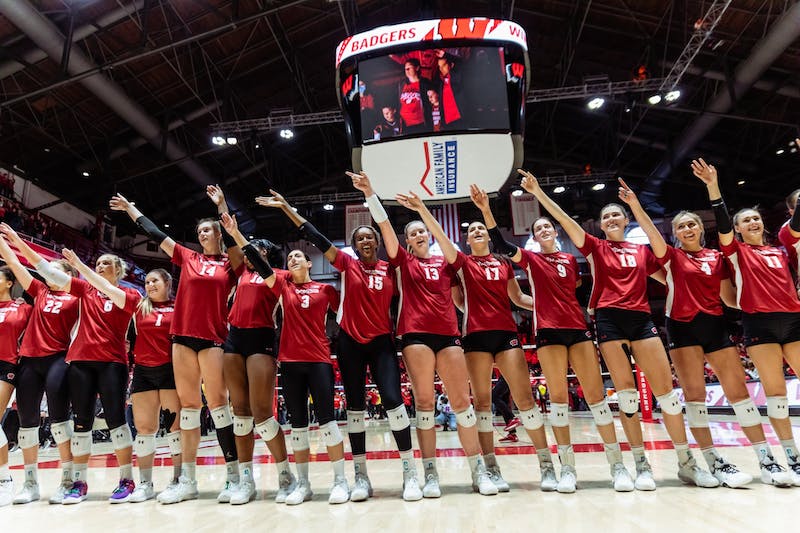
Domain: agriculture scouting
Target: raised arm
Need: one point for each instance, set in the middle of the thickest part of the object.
(53, 275)
(20, 272)
(657, 241)
(235, 255)
(574, 230)
(413, 202)
(362, 183)
(502, 246)
(519, 298)
(252, 253)
(120, 203)
(708, 175)
(310, 233)
(114, 293)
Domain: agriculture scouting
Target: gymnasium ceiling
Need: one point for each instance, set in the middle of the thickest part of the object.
(189, 63)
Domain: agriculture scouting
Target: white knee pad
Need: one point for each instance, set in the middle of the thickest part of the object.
(121, 437)
(3, 438)
(777, 407)
(628, 400)
(532, 419)
(81, 443)
(222, 416)
(269, 429)
(28, 437)
(300, 439)
(696, 414)
(670, 403)
(485, 421)
(174, 440)
(747, 413)
(601, 413)
(144, 445)
(190, 418)
(559, 415)
(355, 422)
(331, 435)
(466, 418)
(242, 425)
(398, 418)
(62, 431)
(426, 419)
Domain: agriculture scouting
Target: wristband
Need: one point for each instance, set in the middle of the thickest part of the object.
(376, 209)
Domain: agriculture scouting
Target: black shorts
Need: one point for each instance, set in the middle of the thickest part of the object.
(770, 328)
(612, 324)
(431, 340)
(147, 378)
(492, 342)
(561, 337)
(710, 332)
(8, 373)
(194, 343)
(249, 341)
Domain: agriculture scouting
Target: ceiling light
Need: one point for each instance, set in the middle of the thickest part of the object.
(85, 174)
(219, 141)
(465, 224)
(671, 96)
(596, 103)
(47, 150)
(793, 150)
(286, 133)
(258, 146)
(740, 182)
(559, 189)
(328, 207)
(231, 140)
(166, 225)
(780, 151)
(655, 99)
(516, 192)
(598, 186)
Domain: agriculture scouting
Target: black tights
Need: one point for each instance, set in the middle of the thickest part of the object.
(86, 380)
(300, 379)
(35, 376)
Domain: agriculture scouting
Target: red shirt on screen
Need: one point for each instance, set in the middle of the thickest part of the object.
(553, 278)
(411, 103)
(367, 290)
(486, 304)
(305, 308)
(693, 282)
(153, 346)
(55, 314)
(451, 112)
(14, 315)
(254, 303)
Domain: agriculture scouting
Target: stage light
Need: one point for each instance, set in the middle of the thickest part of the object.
(598, 186)
(286, 134)
(596, 103)
(559, 189)
(166, 225)
(740, 182)
(672, 95)
(780, 151)
(85, 174)
(258, 146)
(328, 207)
(465, 224)
(219, 141)
(516, 192)
(655, 99)
(231, 140)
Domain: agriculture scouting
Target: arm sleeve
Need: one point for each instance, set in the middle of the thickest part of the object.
(132, 298)
(312, 235)
(501, 246)
(722, 217)
(666, 257)
(341, 260)
(589, 244)
(259, 263)
(333, 297)
(150, 229)
(179, 255)
(53, 275)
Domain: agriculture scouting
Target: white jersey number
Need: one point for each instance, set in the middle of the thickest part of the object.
(108, 305)
(562, 270)
(159, 318)
(208, 270)
(305, 301)
(375, 282)
(431, 273)
(627, 261)
(492, 273)
(706, 268)
(52, 306)
(773, 262)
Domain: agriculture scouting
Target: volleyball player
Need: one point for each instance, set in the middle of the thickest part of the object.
(788, 237)
(42, 367)
(199, 328)
(431, 343)
(624, 328)
(14, 315)
(562, 340)
(770, 309)
(153, 382)
(365, 340)
(305, 357)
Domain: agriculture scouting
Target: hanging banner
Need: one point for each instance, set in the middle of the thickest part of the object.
(524, 211)
(355, 215)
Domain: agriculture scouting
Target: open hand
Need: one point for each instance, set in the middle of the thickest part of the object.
(229, 223)
(410, 201)
(119, 203)
(276, 200)
(707, 173)
(215, 194)
(71, 257)
(529, 182)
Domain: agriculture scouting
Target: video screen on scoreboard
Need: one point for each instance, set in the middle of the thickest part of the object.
(435, 90)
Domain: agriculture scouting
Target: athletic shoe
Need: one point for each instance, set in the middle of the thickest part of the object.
(340, 492)
(549, 482)
(184, 489)
(644, 477)
(224, 495)
(411, 490)
(431, 488)
(621, 478)
(728, 475)
(511, 437)
(482, 481)
(691, 474)
(568, 481)
(286, 485)
(144, 491)
(76, 494)
(774, 474)
(512, 424)
(6, 492)
(362, 488)
(123, 492)
(301, 493)
(794, 471)
(245, 492)
(29, 493)
(57, 498)
(497, 479)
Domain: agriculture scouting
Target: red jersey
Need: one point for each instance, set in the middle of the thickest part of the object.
(201, 303)
(792, 245)
(305, 307)
(486, 304)
(553, 278)
(153, 346)
(763, 281)
(102, 326)
(52, 322)
(367, 290)
(619, 273)
(411, 103)
(451, 112)
(693, 281)
(426, 304)
(254, 303)
(14, 315)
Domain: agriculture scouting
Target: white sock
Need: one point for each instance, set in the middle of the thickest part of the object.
(545, 457)
(338, 468)
(188, 470)
(232, 471)
(638, 455)
(429, 465)
(683, 453)
(360, 464)
(613, 453)
(302, 470)
(790, 449)
(711, 455)
(32, 473)
(407, 460)
(566, 455)
(247, 470)
(282, 466)
(126, 471)
(490, 459)
(79, 471)
(763, 452)
(66, 470)
(4, 473)
(146, 474)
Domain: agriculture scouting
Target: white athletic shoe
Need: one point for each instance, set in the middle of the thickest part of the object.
(362, 489)
(774, 474)
(497, 479)
(286, 485)
(621, 478)
(184, 489)
(144, 491)
(29, 493)
(691, 474)
(794, 471)
(340, 492)
(229, 488)
(411, 490)
(730, 476)
(568, 481)
(431, 488)
(644, 477)
(549, 482)
(245, 492)
(57, 498)
(6, 492)
(482, 481)
(301, 493)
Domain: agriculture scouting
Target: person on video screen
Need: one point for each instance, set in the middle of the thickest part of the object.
(412, 94)
(391, 125)
(434, 110)
(450, 78)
